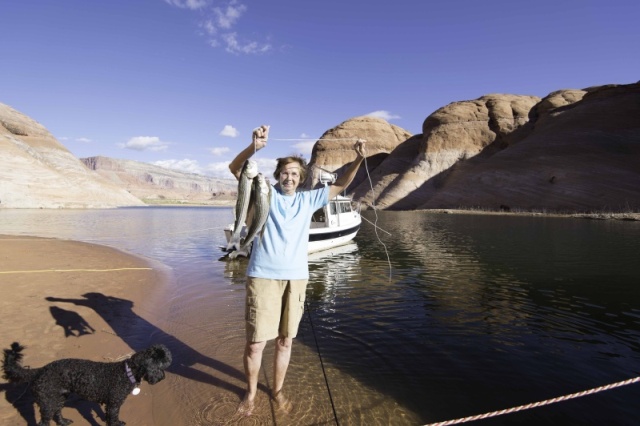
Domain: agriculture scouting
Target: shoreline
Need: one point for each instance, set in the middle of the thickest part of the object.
(632, 216)
(68, 299)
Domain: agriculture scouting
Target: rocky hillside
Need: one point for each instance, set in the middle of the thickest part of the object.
(572, 151)
(36, 171)
(155, 184)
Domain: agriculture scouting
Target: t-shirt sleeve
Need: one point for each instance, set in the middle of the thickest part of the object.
(320, 197)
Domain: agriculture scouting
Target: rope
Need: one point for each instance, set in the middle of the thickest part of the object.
(39, 271)
(375, 211)
(367, 220)
(324, 372)
(537, 404)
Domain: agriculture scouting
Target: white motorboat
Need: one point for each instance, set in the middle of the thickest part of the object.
(335, 224)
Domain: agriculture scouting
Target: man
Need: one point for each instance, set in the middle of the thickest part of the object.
(278, 269)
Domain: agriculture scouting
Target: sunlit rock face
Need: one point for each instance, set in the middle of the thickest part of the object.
(150, 182)
(453, 134)
(334, 150)
(36, 171)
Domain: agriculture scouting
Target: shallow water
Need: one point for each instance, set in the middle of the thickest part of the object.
(433, 317)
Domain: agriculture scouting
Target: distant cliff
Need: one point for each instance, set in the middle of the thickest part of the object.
(155, 184)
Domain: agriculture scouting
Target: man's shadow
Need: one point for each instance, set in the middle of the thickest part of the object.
(139, 333)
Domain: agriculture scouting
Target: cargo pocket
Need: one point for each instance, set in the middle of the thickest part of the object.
(250, 309)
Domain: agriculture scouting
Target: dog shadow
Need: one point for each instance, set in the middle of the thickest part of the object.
(139, 333)
(18, 395)
(71, 322)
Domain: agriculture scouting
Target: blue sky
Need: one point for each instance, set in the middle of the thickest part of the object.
(182, 83)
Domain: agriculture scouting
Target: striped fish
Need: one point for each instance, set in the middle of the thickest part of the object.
(261, 201)
(249, 171)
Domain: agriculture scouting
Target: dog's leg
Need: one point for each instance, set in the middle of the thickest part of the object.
(47, 411)
(113, 414)
(50, 408)
(61, 421)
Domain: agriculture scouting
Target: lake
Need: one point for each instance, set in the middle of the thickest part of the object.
(423, 318)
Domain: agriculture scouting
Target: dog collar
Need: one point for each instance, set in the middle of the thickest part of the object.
(136, 389)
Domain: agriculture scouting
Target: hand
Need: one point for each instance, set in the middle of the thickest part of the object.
(260, 136)
(359, 147)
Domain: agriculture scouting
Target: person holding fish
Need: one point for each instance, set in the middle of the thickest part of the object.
(278, 269)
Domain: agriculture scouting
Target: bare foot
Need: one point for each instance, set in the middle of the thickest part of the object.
(246, 407)
(283, 402)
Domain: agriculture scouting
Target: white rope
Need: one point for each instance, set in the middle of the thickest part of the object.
(536, 404)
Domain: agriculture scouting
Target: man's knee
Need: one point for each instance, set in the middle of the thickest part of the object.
(283, 343)
(255, 348)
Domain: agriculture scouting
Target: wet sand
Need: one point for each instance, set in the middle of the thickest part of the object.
(50, 289)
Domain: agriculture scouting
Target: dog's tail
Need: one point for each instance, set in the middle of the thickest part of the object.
(12, 368)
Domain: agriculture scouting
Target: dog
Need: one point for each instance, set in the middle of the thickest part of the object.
(107, 383)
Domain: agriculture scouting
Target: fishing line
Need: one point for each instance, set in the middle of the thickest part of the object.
(324, 372)
(375, 211)
(313, 139)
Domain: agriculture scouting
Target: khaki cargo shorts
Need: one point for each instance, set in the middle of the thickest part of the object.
(273, 308)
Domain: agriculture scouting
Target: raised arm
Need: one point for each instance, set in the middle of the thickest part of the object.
(258, 141)
(347, 177)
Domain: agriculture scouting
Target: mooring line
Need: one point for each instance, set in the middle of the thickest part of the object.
(324, 372)
(536, 404)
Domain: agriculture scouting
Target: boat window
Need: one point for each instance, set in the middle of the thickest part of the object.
(333, 208)
(318, 216)
(345, 208)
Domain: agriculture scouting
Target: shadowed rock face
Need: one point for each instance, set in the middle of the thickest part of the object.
(580, 152)
(36, 171)
(574, 150)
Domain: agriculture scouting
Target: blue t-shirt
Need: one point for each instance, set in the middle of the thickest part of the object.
(281, 253)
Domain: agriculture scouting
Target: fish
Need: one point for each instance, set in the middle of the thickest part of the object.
(249, 171)
(261, 202)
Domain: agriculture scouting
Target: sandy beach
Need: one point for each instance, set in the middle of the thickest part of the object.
(50, 289)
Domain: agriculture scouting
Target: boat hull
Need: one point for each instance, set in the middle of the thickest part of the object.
(325, 238)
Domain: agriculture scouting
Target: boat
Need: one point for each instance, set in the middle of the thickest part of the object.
(331, 226)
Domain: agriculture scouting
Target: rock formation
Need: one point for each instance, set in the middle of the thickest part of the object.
(571, 151)
(36, 171)
(334, 150)
(454, 134)
(579, 152)
(155, 184)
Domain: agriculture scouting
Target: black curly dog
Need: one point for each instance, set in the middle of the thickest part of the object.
(106, 383)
